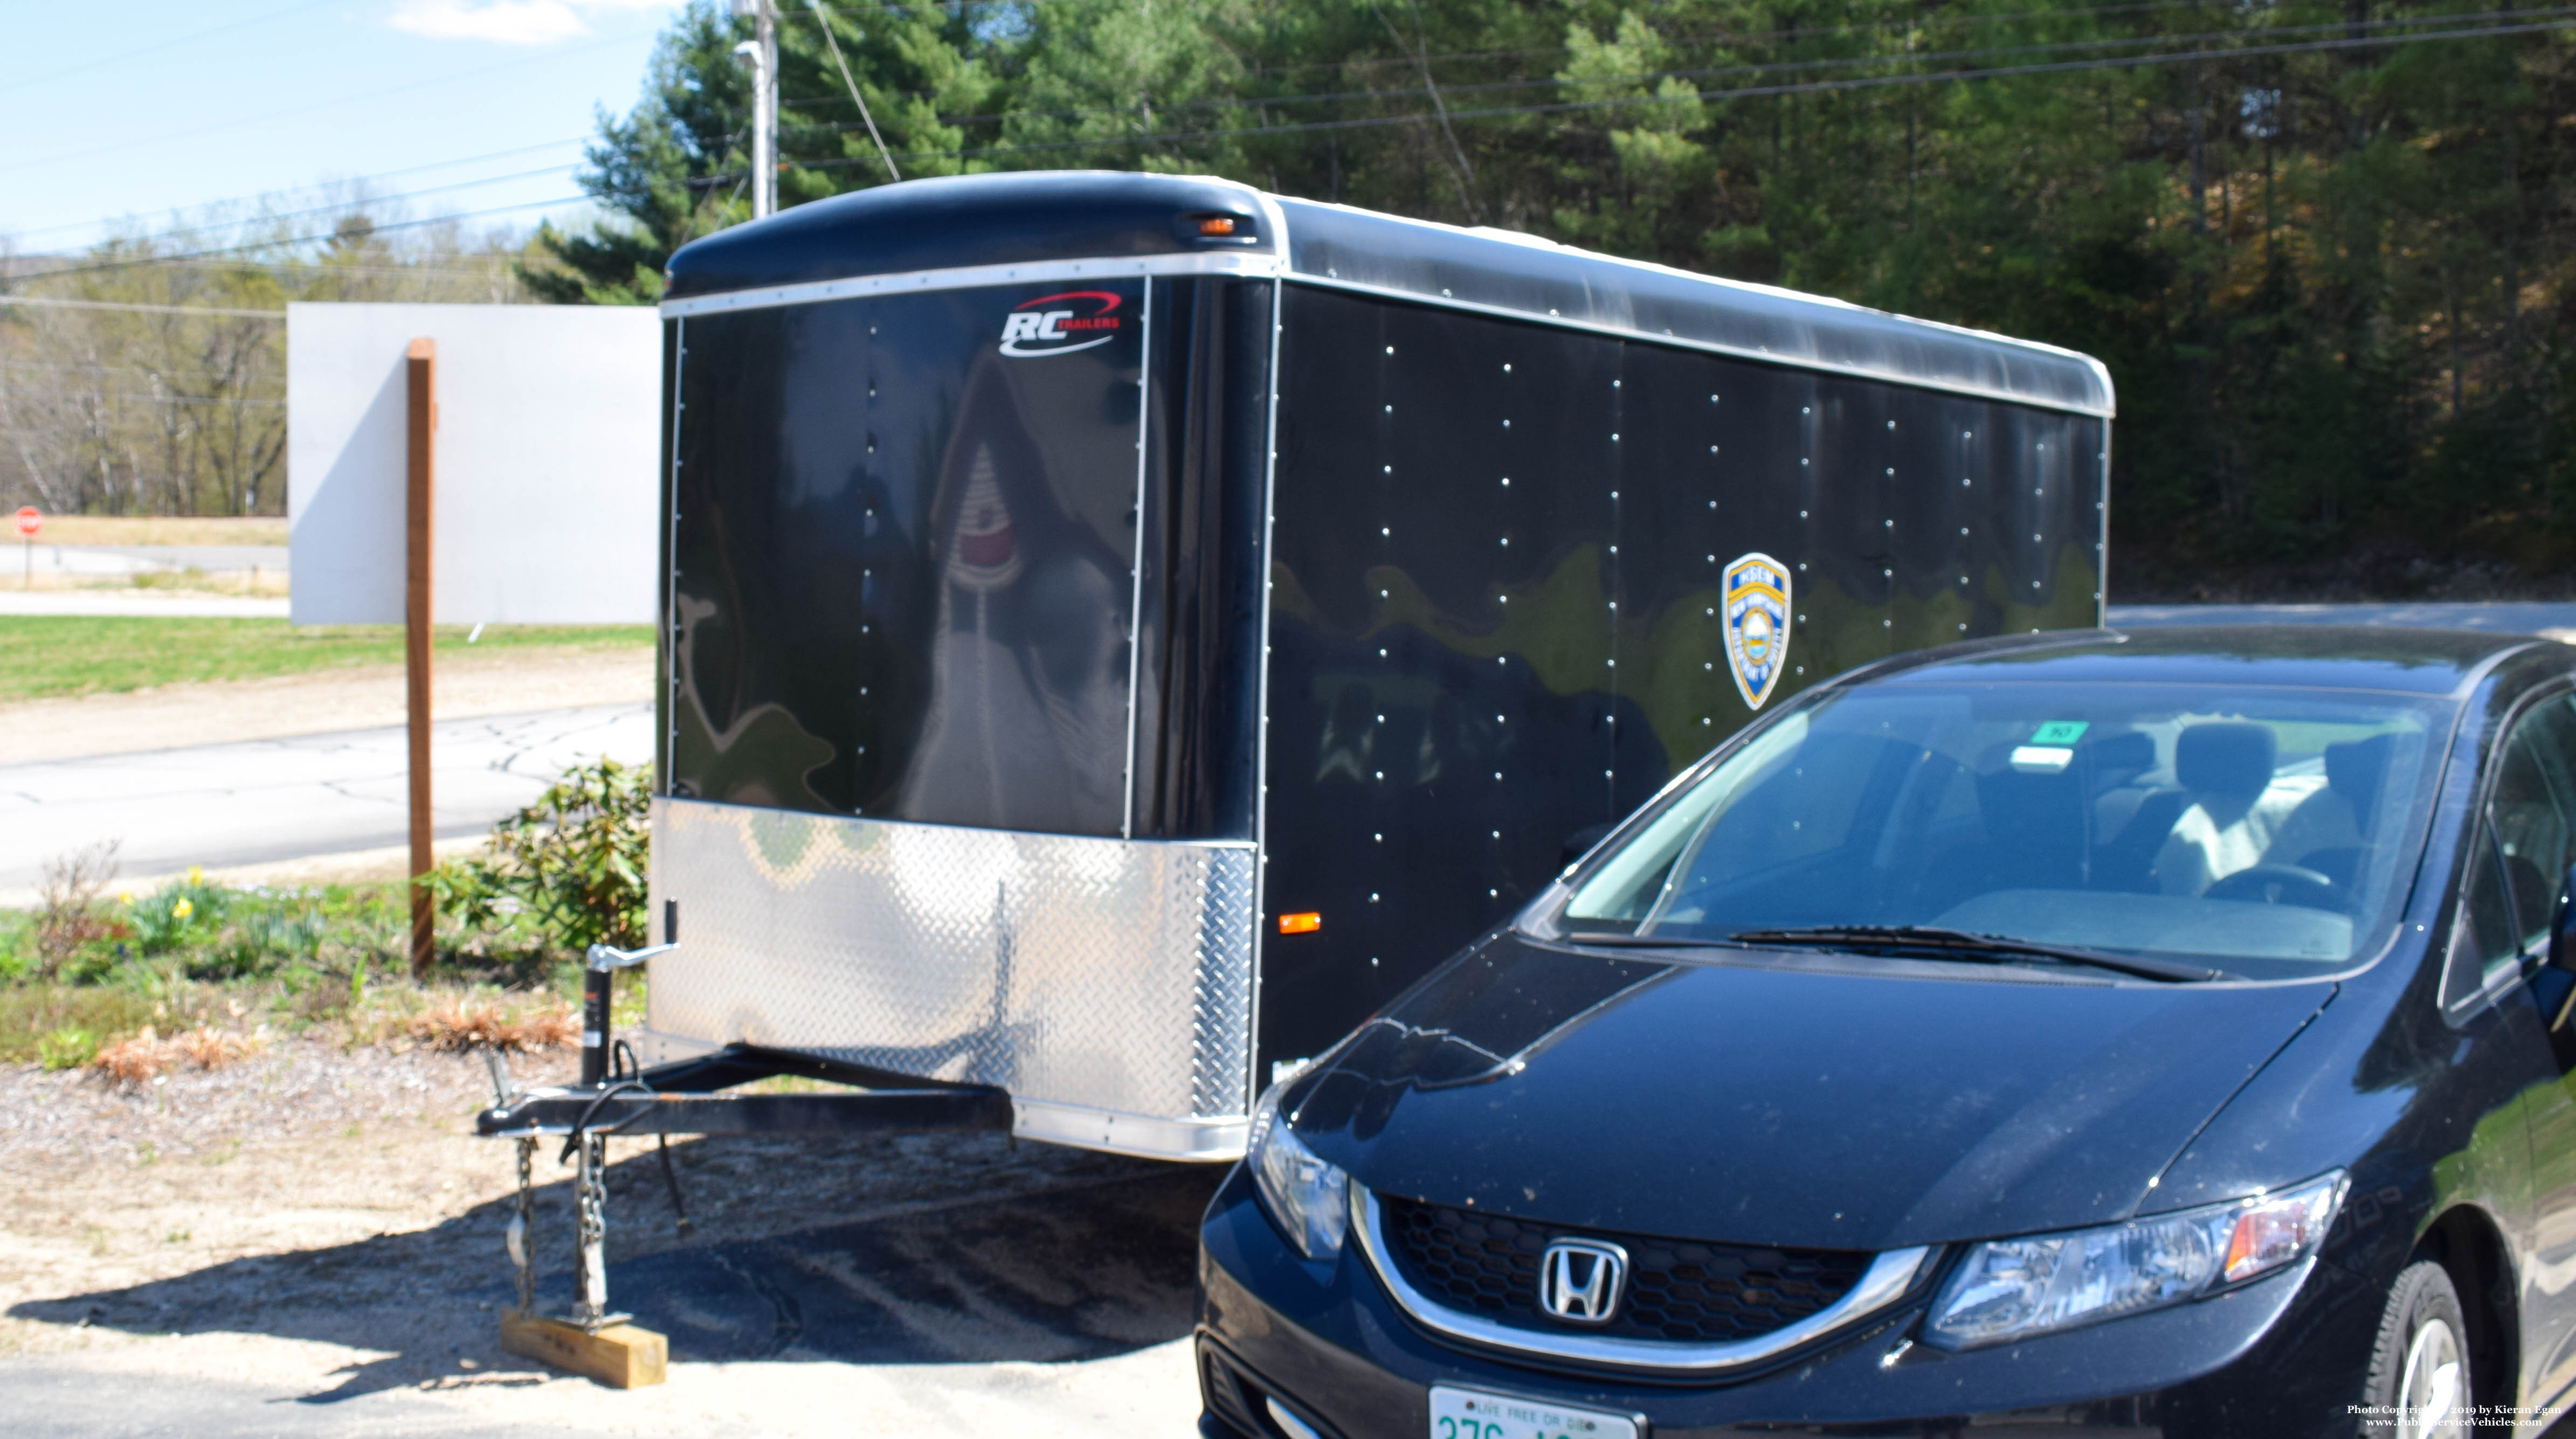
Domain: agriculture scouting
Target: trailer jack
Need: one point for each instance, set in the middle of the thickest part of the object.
(616, 1096)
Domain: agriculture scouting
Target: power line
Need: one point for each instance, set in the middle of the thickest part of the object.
(1711, 37)
(54, 304)
(356, 205)
(88, 65)
(107, 265)
(490, 261)
(1786, 34)
(103, 369)
(479, 265)
(1686, 37)
(178, 210)
(1502, 112)
(374, 94)
(146, 399)
(830, 39)
(1745, 92)
(1760, 68)
(925, 11)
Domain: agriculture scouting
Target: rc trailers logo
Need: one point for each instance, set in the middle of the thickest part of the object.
(1061, 324)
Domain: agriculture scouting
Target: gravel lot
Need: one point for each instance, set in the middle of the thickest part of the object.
(309, 1242)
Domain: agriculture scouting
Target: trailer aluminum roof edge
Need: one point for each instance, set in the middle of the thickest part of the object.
(894, 239)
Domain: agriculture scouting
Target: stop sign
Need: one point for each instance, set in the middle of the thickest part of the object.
(30, 521)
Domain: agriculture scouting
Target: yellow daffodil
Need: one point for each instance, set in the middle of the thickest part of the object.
(196, 874)
(184, 908)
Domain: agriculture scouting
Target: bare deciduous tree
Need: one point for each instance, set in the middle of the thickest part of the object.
(160, 387)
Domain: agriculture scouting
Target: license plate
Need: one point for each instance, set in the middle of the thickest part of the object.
(1466, 1414)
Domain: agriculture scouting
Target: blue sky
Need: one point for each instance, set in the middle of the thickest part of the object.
(125, 113)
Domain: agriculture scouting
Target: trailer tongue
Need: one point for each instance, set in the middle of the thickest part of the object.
(1121, 630)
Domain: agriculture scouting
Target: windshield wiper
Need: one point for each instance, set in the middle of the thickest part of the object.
(1651, 941)
(1962, 943)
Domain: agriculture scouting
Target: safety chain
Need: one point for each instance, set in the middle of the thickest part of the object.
(522, 1252)
(590, 1257)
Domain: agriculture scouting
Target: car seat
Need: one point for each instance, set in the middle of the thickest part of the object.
(2355, 773)
(2224, 766)
(2225, 760)
(2034, 825)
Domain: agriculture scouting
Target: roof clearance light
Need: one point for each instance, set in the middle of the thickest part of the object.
(1216, 224)
(1306, 923)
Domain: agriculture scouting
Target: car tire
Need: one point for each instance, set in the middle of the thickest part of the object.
(2419, 1368)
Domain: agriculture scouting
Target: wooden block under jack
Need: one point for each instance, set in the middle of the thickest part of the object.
(618, 1355)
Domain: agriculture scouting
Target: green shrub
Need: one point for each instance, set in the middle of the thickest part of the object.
(196, 953)
(570, 867)
(66, 1049)
(178, 912)
(263, 934)
(18, 958)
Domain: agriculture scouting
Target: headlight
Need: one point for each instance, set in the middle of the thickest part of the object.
(1308, 1199)
(2009, 1289)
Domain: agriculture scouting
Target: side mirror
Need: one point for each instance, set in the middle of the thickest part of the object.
(2562, 925)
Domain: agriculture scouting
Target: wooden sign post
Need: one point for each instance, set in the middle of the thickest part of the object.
(420, 365)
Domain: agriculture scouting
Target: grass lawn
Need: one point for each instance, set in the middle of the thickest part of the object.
(42, 656)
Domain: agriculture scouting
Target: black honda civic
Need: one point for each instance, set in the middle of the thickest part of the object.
(2161, 1033)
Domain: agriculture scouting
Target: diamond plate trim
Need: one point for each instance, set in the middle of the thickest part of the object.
(1077, 973)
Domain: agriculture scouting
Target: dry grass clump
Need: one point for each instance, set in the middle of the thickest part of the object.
(460, 1025)
(59, 1025)
(148, 1056)
(68, 917)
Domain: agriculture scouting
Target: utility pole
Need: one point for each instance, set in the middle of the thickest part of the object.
(762, 51)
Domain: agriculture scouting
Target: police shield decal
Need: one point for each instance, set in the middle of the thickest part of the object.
(1757, 624)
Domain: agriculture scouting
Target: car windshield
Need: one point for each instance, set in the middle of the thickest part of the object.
(2270, 831)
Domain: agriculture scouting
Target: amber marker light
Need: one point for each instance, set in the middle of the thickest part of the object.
(1306, 923)
(1224, 225)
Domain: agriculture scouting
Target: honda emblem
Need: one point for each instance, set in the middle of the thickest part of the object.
(1580, 1280)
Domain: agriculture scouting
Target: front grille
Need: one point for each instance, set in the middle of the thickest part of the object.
(1679, 1290)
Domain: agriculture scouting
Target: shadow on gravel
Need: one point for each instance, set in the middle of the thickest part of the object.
(1081, 1273)
(1094, 1262)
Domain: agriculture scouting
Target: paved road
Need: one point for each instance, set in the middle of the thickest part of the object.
(262, 800)
(141, 559)
(112, 562)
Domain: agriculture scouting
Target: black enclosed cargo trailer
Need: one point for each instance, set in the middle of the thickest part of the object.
(1122, 629)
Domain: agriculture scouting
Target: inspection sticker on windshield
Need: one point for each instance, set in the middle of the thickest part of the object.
(2051, 747)
(1466, 1414)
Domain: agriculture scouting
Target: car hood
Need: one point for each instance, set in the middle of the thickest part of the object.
(1797, 1099)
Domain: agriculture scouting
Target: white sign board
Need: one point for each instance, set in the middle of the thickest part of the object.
(548, 446)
